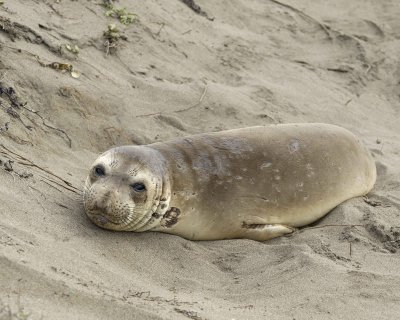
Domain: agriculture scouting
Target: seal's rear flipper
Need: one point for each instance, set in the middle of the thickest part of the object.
(263, 232)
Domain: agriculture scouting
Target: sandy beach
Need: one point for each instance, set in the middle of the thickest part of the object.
(79, 77)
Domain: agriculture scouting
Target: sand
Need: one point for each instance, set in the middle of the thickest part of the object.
(176, 72)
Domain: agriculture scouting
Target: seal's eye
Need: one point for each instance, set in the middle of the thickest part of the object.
(138, 187)
(99, 171)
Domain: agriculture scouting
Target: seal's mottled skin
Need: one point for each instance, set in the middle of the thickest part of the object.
(256, 183)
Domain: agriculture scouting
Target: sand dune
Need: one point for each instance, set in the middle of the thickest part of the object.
(174, 72)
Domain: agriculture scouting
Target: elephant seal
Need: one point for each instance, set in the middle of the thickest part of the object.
(256, 183)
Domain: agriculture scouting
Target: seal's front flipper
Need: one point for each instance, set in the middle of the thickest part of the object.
(263, 232)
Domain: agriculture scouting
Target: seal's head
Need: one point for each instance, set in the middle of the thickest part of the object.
(127, 189)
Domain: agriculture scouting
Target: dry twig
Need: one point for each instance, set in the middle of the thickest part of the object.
(331, 225)
(306, 16)
(196, 104)
(49, 126)
(179, 110)
(29, 163)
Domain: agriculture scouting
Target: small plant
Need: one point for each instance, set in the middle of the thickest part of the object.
(124, 16)
(73, 49)
(112, 36)
(7, 313)
(63, 68)
(108, 4)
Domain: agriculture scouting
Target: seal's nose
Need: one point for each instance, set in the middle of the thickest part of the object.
(104, 201)
(100, 204)
(110, 202)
